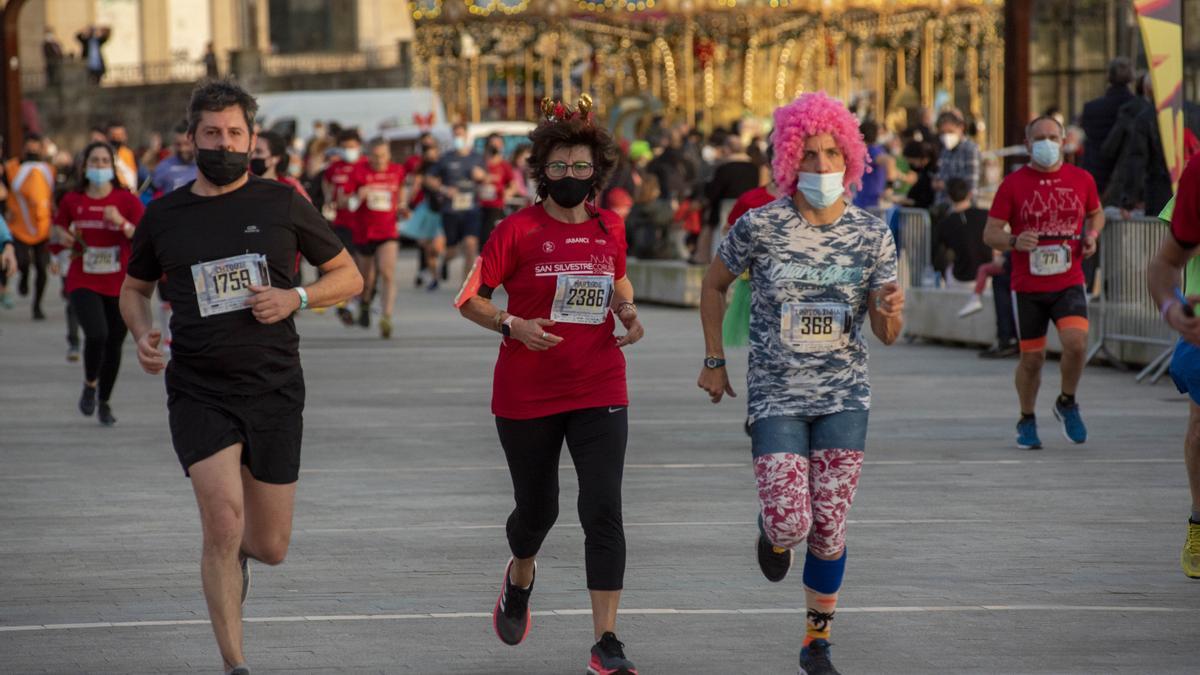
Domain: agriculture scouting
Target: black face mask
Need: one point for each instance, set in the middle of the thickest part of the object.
(222, 167)
(258, 166)
(32, 157)
(568, 191)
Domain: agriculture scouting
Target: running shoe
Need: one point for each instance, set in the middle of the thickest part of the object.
(608, 658)
(1191, 551)
(87, 401)
(105, 415)
(774, 561)
(433, 286)
(385, 328)
(6, 301)
(510, 617)
(38, 314)
(364, 316)
(1072, 422)
(240, 670)
(974, 305)
(1000, 351)
(245, 565)
(815, 660)
(1027, 436)
(346, 316)
(73, 354)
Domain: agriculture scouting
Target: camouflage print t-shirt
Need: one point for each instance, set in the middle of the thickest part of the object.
(809, 286)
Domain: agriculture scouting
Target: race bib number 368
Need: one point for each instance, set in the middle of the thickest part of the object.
(812, 327)
(224, 285)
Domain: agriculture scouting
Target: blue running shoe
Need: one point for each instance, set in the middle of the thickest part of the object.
(1072, 421)
(1027, 437)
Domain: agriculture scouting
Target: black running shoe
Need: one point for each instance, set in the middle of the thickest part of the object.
(346, 316)
(87, 401)
(240, 670)
(774, 561)
(105, 415)
(38, 314)
(245, 579)
(510, 617)
(608, 658)
(814, 659)
(364, 316)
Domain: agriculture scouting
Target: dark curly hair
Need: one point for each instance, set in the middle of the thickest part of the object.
(216, 95)
(550, 135)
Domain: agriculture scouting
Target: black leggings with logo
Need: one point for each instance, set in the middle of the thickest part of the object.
(596, 440)
(103, 335)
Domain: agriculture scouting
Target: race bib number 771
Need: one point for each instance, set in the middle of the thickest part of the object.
(224, 285)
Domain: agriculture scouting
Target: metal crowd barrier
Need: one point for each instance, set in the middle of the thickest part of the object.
(1128, 314)
(915, 241)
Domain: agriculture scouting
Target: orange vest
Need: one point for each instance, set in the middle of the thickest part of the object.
(30, 200)
(126, 168)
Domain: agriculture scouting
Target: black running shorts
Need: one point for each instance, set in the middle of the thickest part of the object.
(269, 426)
(1034, 312)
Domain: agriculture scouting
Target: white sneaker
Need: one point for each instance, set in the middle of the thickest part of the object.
(975, 304)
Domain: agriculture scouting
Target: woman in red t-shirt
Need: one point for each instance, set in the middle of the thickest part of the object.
(96, 221)
(560, 374)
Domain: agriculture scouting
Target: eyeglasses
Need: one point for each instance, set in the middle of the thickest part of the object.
(557, 170)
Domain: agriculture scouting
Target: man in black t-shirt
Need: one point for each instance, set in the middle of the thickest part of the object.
(225, 247)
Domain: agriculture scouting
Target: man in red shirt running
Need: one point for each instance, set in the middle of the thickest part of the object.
(1048, 213)
(380, 183)
(340, 190)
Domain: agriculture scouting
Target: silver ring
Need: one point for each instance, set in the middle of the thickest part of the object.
(545, 336)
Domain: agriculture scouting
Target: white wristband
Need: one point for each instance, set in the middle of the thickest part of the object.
(303, 296)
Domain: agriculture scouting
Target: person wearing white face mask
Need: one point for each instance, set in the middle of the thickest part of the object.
(959, 157)
(820, 269)
(1048, 213)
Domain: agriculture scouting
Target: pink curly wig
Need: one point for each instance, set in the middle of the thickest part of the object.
(809, 115)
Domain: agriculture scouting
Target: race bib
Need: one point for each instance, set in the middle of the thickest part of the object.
(582, 298)
(224, 285)
(462, 201)
(812, 327)
(1047, 261)
(102, 260)
(379, 200)
(487, 193)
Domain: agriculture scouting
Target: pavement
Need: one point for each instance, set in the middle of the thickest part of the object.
(966, 554)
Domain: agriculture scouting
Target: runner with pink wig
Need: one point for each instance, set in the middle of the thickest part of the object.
(819, 269)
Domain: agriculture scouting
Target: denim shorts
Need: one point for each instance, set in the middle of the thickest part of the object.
(846, 430)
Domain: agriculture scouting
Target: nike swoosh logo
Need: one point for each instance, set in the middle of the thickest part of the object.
(613, 410)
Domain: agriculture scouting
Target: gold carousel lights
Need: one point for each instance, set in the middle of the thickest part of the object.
(707, 62)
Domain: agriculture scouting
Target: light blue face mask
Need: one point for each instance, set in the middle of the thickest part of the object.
(99, 176)
(1046, 153)
(821, 190)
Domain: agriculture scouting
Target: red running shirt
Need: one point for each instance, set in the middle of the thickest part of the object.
(491, 195)
(380, 202)
(340, 175)
(109, 247)
(1185, 219)
(753, 199)
(1053, 204)
(526, 254)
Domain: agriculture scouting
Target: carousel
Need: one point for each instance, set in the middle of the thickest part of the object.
(708, 62)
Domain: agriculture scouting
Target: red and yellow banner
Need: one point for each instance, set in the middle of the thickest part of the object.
(1162, 38)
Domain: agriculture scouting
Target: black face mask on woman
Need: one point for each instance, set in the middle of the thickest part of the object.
(222, 167)
(568, 191)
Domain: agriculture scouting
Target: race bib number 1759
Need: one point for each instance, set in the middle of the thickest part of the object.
(224, 285)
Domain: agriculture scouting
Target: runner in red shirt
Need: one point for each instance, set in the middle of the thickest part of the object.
(1049, 215)
(340, 190)
(380, 184)
(96, 222)
(561, 374)
(1177, 251)
(495, 190)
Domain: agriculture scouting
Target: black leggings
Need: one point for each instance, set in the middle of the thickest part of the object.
(39, 255)
(103, 335)
(596, 439)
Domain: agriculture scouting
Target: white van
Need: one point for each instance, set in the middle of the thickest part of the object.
(392, 113)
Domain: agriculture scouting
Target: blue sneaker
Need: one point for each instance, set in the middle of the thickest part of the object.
(1027, 437)
(1072, 421)
(815, 659)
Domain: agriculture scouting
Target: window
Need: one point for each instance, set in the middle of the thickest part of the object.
(299, 26)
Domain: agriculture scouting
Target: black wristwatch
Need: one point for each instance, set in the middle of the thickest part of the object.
(506, 326)
(713, 362)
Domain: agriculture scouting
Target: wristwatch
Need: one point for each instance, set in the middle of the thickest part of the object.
(1012, 241)
(506, 327)
(713, 362)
